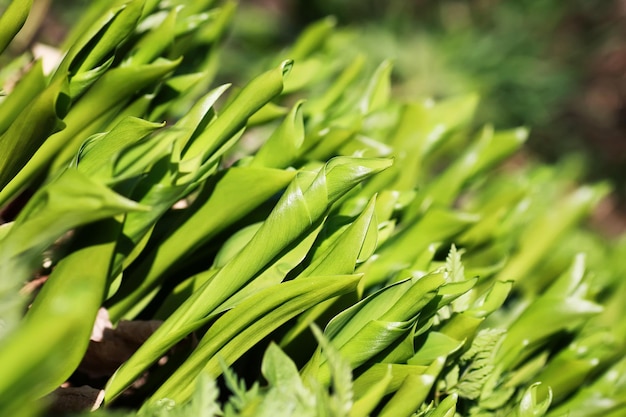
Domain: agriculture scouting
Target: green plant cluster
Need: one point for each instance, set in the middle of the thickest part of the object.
(377, 257)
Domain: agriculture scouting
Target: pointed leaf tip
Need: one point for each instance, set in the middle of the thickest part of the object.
(286, 66)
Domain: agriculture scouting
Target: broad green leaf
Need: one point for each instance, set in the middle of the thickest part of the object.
(306, 201)
(359, 337)
(115, 86)
(115, 33)
(494, 211)
(415, 298)
(317, 106)
(233, 117)
(282, 147)
(395, 373)
(489, 149)
(605, 396)
(378, 91)
(553, 314)
(195, 119)
(305, 73)
(12, 21)
(461, 326)
(29, 131)
(97, 155)
(371, 397)
(247, 323)
(450, 292)
(64, 204)
(170, 90)
(152, 44)
(400, 250)
(436, 345)
(570, 281)
(275, 273)
(59, 323)
(266, 114)
(530, 406)
(312, 38)
(348, 323)
(222, 203)
(27, 88)
(564, 376)
(95, 19)
(421, 129)
(338, 257)
(374, 337)
(80, 82)
(323, 144)
(546, 229)
(413, 391)
(446, 408)
(424, 125)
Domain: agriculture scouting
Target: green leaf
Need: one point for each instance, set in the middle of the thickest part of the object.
(530, 407)
(79, 83)
(489, 149)
(446, 408)
(367, 402)
(401, 250)
(395, 373)
(29, 131)
(67, 202)
(317, 106)
(304, 203)
(27, 88)
(221, 204)
(378, 91)
(247, 323)
(97, 155)
(154, 43)
(115, 33)
(12, 21)
(250, 99)
(59, 324)
(553, 314)
(342, 400)
(282, 147)
(546, 229)
(436, 345)
(372, 325)
(312, 38)
(339, 256)
(413, 391)
(115, 86)
(421, 129)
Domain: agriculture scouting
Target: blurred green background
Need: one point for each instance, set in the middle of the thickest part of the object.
(558, 67)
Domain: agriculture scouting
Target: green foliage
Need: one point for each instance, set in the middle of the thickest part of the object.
(253, 217)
